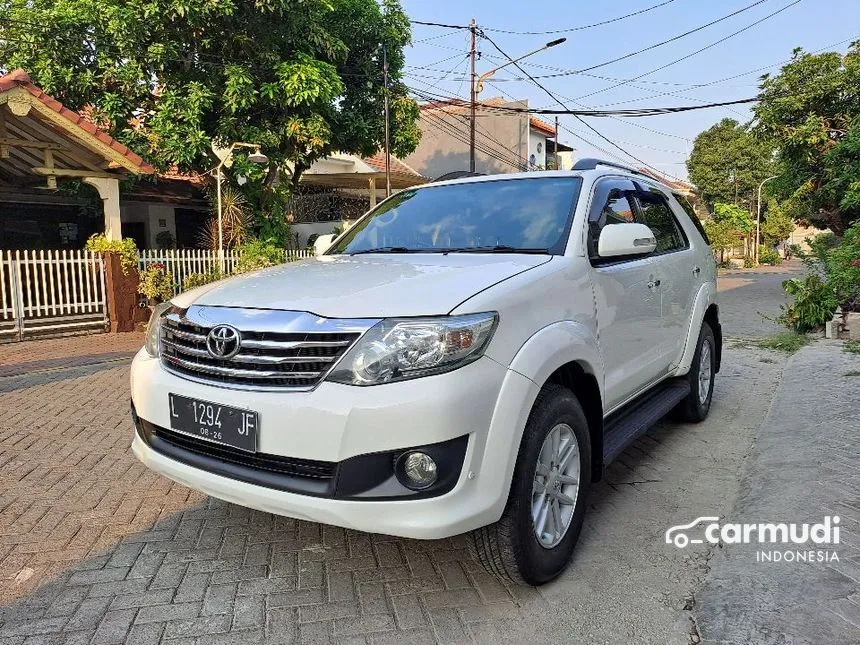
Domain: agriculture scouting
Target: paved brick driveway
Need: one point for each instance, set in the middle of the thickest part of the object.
(94, 548)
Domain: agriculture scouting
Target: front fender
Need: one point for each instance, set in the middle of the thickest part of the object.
(556, 345)
(540, 356)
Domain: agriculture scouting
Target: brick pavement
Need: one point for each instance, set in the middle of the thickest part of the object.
(95, 548)
(30, 356)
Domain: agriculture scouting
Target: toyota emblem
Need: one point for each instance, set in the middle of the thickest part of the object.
(223, 341)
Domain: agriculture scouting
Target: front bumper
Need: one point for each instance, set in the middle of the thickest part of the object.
(335, 423)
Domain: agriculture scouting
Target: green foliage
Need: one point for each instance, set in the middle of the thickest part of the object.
(258, 254)
(739, 218)
(193, 280)
(813, 304)
(842, 265)
(165, 240)
(852, 347)
(785, 342)
(777, 225)
(749, 262)
(767, 255)
(811, 112)
(728, 162)
(170, 77)
(125, 247)
(721, 234)
(156, 283)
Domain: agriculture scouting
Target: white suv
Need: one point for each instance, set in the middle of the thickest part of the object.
(467, 357)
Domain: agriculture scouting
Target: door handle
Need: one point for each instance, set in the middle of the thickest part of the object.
(697, 270)
(653, 283)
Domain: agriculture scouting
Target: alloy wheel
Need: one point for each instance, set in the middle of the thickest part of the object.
(556, 485)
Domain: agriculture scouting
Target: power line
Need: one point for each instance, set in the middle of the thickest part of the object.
(576, 116)
(581, 27)
(437, 24)
(698, 51)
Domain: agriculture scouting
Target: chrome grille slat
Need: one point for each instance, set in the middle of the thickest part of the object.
(237, 372)
(279, 350)
(249, 358)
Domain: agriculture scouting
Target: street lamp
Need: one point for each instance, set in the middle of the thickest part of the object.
(226, 157)
(477, 86)
(758, 216)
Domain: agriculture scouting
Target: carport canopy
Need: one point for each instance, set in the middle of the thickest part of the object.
(351, 171)
(42, 141)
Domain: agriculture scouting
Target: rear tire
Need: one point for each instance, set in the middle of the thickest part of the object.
(540, 496)
(695, 407)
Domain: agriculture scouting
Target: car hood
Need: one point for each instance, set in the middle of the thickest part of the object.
(365, 286)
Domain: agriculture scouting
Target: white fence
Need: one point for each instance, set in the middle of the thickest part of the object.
(180, 263)
(50, 290)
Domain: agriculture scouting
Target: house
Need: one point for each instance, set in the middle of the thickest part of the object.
(44, 145)
(506, 140)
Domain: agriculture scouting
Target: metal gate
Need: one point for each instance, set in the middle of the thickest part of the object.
(51, 292)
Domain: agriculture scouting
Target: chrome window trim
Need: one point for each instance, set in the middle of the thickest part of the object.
(269, 321)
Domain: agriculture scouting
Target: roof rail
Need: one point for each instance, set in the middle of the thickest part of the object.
(589, 163)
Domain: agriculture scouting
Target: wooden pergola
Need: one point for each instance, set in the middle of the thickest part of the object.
(42, 141)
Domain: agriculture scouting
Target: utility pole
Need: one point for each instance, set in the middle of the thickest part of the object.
(473, 27)
(387, 138)
(555, 155)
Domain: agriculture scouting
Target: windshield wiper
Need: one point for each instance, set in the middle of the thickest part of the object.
(387, 249)
(497, 248)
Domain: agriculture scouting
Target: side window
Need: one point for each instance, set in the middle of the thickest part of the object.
(612, 204)
(684, 203)
(657, 215)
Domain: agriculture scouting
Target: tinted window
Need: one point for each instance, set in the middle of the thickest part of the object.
(520, 213)
(691, 213)
(657, 215)
(617, 209)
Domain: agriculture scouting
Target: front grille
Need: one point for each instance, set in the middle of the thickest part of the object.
(266, 360)
(318, 470)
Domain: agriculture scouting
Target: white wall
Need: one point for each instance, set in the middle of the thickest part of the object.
(536, 138)
(155, 217)
(306, 229)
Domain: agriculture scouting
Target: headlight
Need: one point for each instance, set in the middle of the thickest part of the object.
(153, 329)
(405, 348)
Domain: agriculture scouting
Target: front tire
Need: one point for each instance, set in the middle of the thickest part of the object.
(533, 541)
(695, 407)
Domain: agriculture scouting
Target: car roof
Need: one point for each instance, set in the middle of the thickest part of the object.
(607, 171)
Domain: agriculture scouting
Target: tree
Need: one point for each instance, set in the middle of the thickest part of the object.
(778, 225)
(727, 164)
(736, 220)
(811, 111)
(302, 78)
(721, 235)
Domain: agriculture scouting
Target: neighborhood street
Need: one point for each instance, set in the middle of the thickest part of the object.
(95, 548)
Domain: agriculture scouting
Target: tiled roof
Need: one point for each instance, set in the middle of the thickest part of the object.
(377, 162)
(543, 126)
(19, 78)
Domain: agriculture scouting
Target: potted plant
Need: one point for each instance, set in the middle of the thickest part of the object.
(156, 284)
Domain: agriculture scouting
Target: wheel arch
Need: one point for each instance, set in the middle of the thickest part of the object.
(704, 305)
(568, 353)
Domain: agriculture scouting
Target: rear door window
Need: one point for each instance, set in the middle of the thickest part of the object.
(657, 215)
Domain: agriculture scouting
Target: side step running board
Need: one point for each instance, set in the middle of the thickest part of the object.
(624, 426)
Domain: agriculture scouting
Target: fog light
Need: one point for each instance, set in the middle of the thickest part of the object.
(420, 470)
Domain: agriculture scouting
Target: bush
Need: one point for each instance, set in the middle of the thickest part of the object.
(814, 303)
(165, 240)
(749, 262)
(258, 254)
(786, 341)
(842, 264)
(767, 255)
(156, 283)
(126, 248)
(194, 280)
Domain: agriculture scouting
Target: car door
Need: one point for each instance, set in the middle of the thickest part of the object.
(626, 302)
(675, 271)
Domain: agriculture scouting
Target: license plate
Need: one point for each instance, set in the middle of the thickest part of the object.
(214, 422)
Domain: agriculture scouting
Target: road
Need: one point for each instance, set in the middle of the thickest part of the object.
(750, 299)
(94, 548)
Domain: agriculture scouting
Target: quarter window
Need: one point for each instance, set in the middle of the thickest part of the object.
(657, 215)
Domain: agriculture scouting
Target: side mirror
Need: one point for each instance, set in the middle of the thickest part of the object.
(322, 243)
(625, 239)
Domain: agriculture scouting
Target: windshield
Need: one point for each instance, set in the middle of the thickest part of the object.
(506, 216)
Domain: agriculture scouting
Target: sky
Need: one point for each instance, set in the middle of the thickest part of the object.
(437, 62)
